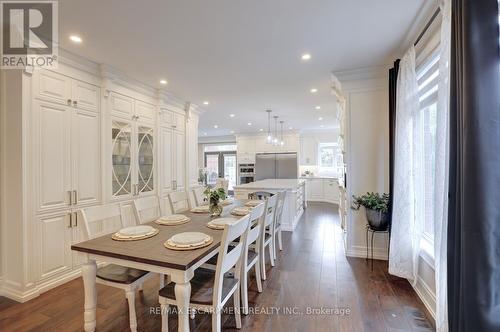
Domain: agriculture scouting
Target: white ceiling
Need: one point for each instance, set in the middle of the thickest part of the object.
(243, 56)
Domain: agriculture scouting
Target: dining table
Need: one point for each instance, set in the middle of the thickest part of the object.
(151, 255)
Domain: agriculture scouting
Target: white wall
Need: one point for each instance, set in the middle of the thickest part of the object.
(315, 138)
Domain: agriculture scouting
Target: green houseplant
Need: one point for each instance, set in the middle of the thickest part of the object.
(377, 209)
(214, 197)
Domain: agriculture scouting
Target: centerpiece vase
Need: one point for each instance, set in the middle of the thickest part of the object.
(215, 208)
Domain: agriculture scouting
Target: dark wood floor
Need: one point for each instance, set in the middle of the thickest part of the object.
(312, 272)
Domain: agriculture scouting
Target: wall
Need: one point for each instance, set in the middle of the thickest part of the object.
(314, 138)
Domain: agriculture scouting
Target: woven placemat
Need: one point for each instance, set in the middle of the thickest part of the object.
(172, 223)
(168, 246)
(117, 238)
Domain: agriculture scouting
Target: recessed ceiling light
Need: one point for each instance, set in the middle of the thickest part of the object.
(318, 107)
(249, 123)
(75, 39)
(205, 134)
(232, 131)
(261, 129)
(164, 82)
(231, 115)
(320, 118)
(314, 90)
(206, 102)
(306, 56)
(290, 128)
(216, 126)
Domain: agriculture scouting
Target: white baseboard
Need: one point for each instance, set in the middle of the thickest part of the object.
(360, 252)
(427, 296)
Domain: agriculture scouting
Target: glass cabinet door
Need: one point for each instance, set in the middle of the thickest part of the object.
(145, 158)
(121, 133)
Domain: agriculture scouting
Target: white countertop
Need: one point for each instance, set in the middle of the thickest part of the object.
(319, 177)
(281, 184)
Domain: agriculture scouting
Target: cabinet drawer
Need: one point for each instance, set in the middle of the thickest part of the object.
(145, 111)
(121, 106)
(86, 96)
(166, 117)
(51, 86)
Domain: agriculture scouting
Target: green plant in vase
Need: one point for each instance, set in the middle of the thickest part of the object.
(214, 197)
(377, 209)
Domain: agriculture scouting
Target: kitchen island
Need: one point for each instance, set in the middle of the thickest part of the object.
(295, 199)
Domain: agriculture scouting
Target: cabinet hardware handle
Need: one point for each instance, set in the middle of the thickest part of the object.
(75, 102)
(69, 101)
(137, 189)
(75, 202)
(70, 220)
(70, 197)
(76, 219)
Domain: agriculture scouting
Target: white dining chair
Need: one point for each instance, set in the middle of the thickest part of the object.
(147, 209)
(276, 227)
(179, 201)
(101, 220)
(222, 183)
(210, 290)
(265, 238)
(199, 196)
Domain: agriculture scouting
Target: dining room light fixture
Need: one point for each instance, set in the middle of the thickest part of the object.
(269, 138)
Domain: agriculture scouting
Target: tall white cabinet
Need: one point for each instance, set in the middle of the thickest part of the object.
(79, 136)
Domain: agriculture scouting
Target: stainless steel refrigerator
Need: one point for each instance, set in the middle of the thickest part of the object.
(276, 166)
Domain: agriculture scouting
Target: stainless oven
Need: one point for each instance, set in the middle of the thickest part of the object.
(247, 173)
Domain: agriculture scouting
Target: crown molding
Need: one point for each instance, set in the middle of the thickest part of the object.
(78, 62)
(216, 139)
(363, 73)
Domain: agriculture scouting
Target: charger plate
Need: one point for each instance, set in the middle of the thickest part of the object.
(241, 211)
(219, 223)
(201, 209)
(118, 237)
(188, 241)
(253, 203)
(172, 220)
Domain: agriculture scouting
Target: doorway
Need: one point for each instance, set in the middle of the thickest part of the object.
(221, 165)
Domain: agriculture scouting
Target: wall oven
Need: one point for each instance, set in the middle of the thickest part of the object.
(247, 173)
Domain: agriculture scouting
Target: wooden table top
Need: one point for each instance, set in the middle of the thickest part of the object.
(152, 251)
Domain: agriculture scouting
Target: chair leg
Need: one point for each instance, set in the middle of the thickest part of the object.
(244, 291)
(162, 280)
(273, 245)
(237, 307)
(271, 253)
(164, 317)
(258, 277)
(262, 263)
(280, 240)
(130, 294)
(216, 320)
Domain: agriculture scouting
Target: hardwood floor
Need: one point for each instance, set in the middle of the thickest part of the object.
(312, 272)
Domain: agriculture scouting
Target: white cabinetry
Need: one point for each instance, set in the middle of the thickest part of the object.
(322, 190)
(172, 152)
(308, 151)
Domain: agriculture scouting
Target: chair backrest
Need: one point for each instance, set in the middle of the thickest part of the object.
(147, 209)
(270, 211)
(222, 183)
(233, 257)
(279, 209)
(199, 196)
(101, 220)
(179, 201)
(255, 225)
(260, 195)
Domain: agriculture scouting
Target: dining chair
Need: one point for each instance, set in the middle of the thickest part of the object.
(265, 238)
(199, 196)
(222, 183)
(210, 290)
(276, 227)
(147, 209)
(101, 220)
(179, 201)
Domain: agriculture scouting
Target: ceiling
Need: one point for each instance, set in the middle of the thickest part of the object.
(242, 56)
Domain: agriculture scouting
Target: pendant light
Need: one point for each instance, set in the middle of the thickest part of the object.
(269, 138)
(282, 142)
(275, 139)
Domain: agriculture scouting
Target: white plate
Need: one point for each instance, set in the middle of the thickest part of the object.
(174, 217)
(189, 238)
(223, 221)
(253, 203)
(136, 231)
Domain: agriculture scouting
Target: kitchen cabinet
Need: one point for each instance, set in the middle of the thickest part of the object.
(308, 151)
(322, 189)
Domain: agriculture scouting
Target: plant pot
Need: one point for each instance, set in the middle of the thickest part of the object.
(377, 220)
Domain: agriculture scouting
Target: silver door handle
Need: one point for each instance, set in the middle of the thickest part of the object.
(69, 101)
(76, 219)
(70, 197)
(75, 102)
(75, 201)
(70, 220)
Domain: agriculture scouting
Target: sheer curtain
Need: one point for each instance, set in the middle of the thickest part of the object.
(442, 171)
(407, 213)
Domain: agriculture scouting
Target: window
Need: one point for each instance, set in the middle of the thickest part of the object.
(327, 157)
(428, 84)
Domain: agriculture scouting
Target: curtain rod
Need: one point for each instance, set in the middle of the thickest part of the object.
(427, 26)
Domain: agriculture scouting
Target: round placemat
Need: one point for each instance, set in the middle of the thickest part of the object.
(172, 223)
(147, 236)
(173, 247)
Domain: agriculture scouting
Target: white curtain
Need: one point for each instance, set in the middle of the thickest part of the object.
(407, 212)
(442, 171)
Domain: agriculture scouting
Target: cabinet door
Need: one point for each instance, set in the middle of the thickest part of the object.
(145, 159)
(166, 117)
(331, 190)
(179, 160)
(51, 86)
(121, 163)
(52, 123)
(316, 188)
(179, 123)
(85, 96)
(145, 111)
(86, 157)
(54, 238)
(166, 161)
(121, 106)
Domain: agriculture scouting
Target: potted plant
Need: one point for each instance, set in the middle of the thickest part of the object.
(377, 209)
(214, 197)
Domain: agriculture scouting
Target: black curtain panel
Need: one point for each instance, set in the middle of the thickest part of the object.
(474, 206)
(393, 80)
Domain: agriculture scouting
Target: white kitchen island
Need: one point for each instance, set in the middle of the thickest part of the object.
(295, 200)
